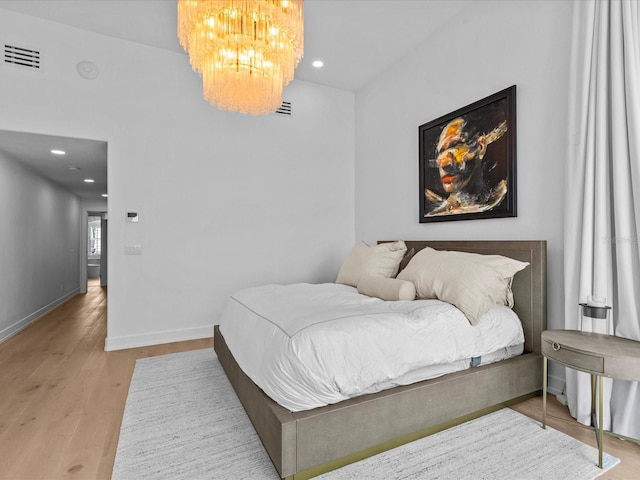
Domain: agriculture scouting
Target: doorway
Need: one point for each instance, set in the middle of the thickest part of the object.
(71, 174)
(96, 258)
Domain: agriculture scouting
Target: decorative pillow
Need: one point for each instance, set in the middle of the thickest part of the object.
(380, 260)
(386, 288)
(472, 282)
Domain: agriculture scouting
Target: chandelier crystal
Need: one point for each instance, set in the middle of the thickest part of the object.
(245, 50)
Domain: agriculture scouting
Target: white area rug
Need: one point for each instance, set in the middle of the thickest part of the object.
(182, 421)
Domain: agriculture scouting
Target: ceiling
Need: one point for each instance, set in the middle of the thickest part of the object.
(88, 158)
(356, 39)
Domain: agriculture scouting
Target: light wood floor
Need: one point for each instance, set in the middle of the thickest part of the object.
(62, 398)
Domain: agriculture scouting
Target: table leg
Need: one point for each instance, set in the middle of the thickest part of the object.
(600, 419)
(544, 392)
(596, 419)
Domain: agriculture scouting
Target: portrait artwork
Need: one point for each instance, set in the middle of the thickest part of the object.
(467, 161)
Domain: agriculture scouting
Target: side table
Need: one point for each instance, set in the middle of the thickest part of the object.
(594, 353)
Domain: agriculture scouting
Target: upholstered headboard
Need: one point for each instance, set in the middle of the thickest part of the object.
(529, 285)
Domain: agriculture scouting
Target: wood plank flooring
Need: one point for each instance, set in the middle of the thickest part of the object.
(558, 417)
(62, 398)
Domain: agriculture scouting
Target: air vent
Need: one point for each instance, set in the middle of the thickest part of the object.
(25, 57)
(285, 109)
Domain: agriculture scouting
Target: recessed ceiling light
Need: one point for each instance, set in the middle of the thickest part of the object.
(58, 152)
(318, 63)
(105, 195)
(89, 180)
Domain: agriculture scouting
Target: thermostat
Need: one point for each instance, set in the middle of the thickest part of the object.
(132, 217)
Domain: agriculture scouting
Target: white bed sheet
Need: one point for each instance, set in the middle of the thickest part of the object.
(310, 345)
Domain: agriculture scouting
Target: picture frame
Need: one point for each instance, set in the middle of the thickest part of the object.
(467, 161)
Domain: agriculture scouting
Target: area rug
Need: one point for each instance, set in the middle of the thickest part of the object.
(182, 420)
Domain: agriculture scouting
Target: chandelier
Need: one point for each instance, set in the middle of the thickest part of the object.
(245, 50)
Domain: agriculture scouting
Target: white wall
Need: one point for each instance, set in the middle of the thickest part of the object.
(491, 46)
(39, 245)
(225, 200)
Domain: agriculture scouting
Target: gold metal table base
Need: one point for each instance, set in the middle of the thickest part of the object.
(599, 355)
(596, 420)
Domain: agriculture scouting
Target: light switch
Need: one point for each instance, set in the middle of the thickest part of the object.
(133, 249)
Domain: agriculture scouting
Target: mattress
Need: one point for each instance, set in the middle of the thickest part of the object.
(310, 345)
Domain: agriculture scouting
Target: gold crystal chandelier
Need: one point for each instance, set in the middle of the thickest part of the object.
(245, 50)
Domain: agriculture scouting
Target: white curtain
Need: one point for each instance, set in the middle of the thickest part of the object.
(602, 198)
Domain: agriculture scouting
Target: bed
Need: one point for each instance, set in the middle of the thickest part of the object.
(303, 444)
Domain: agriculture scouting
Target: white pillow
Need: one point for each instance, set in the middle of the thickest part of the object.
(472, 282)
(386, 288)
(381, 260)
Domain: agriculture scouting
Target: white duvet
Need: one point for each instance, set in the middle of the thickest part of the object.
(309, 345)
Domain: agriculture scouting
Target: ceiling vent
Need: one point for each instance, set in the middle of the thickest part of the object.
(285, 110)
(24, 57)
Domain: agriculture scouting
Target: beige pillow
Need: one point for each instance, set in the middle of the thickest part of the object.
(386, 288)
(472, 282)
(381, 260)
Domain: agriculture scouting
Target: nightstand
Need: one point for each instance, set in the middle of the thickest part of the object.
(594, 353)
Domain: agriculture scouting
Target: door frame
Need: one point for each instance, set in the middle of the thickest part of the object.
(84, 249)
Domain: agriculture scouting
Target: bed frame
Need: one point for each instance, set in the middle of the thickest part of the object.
(305, 444)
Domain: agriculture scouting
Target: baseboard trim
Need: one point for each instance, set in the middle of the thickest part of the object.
(157, 338)
(555, 385)
(20, 325)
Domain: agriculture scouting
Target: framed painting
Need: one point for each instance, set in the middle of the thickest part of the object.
(467, 161)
